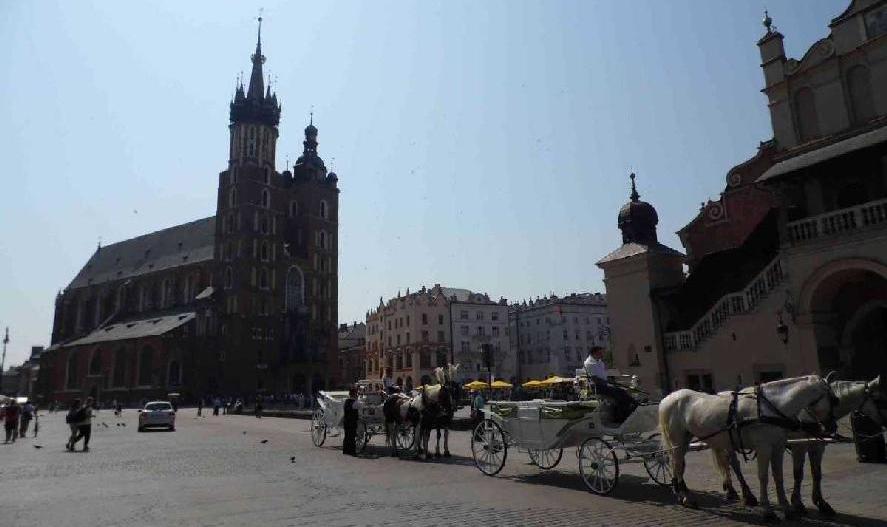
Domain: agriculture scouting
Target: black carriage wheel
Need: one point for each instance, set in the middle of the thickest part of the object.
(489, 447)
(598, 466)
(406, 437)
(546, 459)
(361, 437)
(658, 465)
(318, 427)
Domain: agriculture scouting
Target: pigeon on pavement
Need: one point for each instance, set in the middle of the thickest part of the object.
(263, 441)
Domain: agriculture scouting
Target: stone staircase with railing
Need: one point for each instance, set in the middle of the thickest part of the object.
(736, 303)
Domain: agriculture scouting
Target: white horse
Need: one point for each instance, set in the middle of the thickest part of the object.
(437, 403)
(862, 396)
(762, 418)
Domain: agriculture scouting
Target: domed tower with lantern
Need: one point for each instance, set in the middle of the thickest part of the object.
(631, 274)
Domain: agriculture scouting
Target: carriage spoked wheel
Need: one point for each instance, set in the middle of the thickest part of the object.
(361, 437)
(546, 459)
(318, 427)
(406, 437)
(489, 448)
(598, 466)
(658, 464)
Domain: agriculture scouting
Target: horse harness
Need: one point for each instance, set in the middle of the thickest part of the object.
(736, 422)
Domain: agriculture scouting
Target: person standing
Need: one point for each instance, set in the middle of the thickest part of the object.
(199, 406)
(11, 420)
(349, 446)
(74, 415)
(27, 415)
(216, 404)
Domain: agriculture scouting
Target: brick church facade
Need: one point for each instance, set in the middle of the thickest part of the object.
(238, 303)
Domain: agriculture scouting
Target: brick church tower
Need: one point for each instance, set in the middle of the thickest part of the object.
(276, 249)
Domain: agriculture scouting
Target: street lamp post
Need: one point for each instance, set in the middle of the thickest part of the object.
(3, 359)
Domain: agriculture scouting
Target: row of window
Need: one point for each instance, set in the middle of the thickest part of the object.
(148, 374)
(563, 320)
(539, 337)
(481, 331)
(265, 202)
(478, 315)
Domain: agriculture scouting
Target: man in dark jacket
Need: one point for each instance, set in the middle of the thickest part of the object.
(350, 423)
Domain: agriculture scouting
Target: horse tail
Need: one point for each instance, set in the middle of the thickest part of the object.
(665, 411)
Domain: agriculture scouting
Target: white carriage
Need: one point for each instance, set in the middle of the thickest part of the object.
(545, 428)
(329, 415)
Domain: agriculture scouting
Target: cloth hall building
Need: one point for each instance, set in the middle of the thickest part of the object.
(788, 268)
(239, 303)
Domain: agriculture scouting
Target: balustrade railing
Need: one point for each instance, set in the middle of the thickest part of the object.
(731, 304)
(838, 222)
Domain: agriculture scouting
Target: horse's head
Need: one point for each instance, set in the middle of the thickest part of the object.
(875, 403)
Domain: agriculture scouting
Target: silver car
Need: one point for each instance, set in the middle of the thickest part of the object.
(157, 413)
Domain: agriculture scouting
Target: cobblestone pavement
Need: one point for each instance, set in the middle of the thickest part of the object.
(216, 471)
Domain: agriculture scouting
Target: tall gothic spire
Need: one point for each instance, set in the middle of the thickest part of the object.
(258, 105)
(256, 82)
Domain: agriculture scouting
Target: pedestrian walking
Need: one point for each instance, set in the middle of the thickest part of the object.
(36, 423)
(349, 446)
(11, 420)
(84, 425)
(216, 404)
(27, 415)
(199, 406)
(258, 406)
(75, 414)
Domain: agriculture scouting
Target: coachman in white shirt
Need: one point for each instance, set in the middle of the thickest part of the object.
(597, 373)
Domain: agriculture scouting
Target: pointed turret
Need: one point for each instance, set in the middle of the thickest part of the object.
(257, 105)
(309, 163)
(256, 82)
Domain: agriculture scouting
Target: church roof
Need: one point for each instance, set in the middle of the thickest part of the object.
(633, 249)
(183, 244)
(157, 325)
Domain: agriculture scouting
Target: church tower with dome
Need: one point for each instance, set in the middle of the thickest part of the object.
(631, 274)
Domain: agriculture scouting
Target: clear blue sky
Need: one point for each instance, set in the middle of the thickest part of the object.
(478, 144)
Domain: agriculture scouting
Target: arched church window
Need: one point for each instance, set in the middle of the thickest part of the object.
(72, 379)
(146, 359)
(267, 175)
(266, 198)
(174, 373)
(229, 278)
(322, 239)
(263, 278)
(295, 290)
(265, 251)
(859, 85)
(294, 208)
(232, 197)
(95, 364)
(251, 142)
(323, 209)
(805, 114)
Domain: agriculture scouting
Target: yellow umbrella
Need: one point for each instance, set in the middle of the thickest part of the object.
(554, 379)
(500, 384)
(532, 384)
(476, 385)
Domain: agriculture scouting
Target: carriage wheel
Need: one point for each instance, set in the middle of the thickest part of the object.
(361, 437)
(406, 437)
(489, 448)
(318, 427)
(546, 459)
(658, 465)
(598, 466)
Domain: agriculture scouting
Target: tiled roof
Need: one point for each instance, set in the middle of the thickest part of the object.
(173, 247)
(633, 249)
(134, 329)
